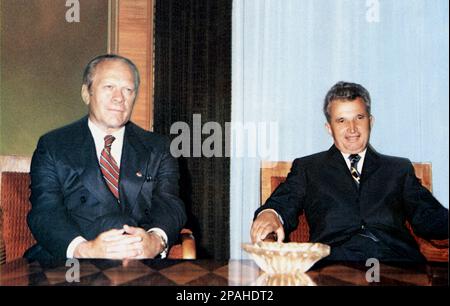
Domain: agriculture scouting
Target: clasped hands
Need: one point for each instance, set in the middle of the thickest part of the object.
(125, 243)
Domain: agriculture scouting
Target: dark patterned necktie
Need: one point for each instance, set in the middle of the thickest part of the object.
(109, 167)
(354, 159)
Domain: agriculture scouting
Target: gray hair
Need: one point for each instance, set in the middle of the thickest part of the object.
(345, 91)
(89, 71)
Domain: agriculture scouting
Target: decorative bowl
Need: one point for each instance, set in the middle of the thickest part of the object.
(285, 258)
(291, 279)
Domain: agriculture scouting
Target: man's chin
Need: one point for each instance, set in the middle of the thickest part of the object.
(117, 123)
(353, 149)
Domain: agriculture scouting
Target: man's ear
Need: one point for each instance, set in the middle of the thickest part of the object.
(85, 94)
(328, 127)
(372, 120)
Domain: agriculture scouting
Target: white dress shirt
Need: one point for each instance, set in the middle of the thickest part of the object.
(116, 152)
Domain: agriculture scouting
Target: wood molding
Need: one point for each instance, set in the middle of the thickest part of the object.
(130, 34)
(113, 9)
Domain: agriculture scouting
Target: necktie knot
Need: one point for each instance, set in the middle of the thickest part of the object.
(354, 159)
(109, 139)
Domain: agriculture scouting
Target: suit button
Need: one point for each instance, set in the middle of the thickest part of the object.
(83, 199)
(146, 211)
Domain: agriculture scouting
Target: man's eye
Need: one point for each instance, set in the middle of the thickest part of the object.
(340, 120)
(108, 86)
(361, 117)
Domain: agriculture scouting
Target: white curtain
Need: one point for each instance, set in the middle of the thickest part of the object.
(288, 53)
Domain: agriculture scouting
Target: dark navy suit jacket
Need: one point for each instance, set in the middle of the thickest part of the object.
(322, 187)
(69, 197)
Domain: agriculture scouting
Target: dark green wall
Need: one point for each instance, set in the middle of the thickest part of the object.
(42, 57)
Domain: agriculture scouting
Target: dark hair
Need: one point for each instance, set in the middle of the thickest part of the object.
(89, 71)
(345, 91)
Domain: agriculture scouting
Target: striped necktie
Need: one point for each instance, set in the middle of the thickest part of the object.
(109, 167)
(354, 159)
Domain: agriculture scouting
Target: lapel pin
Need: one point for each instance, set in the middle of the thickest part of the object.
(139, 174)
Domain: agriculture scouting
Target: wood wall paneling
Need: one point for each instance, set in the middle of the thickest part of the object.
(131, 35)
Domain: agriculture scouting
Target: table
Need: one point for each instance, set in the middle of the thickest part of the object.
(165, 272)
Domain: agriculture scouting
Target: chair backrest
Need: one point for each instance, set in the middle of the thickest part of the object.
(424, 174)
(15, 237)
(273, 173)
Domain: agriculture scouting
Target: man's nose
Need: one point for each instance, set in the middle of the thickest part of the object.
(352, 126)
(118, 96)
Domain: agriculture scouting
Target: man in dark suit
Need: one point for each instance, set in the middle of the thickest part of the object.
(354, 199)
(102, 187)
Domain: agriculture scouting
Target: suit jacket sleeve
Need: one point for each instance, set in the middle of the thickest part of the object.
(287, 199)
(167, 209)
(427, 216)
(48, 220)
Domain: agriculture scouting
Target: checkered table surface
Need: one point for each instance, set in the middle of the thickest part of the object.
(160, 272)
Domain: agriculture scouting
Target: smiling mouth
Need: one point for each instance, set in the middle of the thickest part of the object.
(117, 110)
(352, 138)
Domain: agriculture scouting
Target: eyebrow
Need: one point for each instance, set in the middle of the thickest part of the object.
(112, 80)
(357, 115)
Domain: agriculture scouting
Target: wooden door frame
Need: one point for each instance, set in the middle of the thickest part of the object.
(130, 34)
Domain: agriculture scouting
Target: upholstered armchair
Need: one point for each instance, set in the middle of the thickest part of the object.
(274, 173)
(15, 236)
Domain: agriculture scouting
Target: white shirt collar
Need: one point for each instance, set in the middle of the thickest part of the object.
(99, 139)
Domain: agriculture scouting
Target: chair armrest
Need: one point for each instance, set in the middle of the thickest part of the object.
(433, 250)
(440, 244)
(2, 246)
(2, 241)
(186, 249)
(188, 244)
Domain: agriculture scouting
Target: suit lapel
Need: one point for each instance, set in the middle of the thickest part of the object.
(133, 166)
(85, 162)
(336, 160)
(371, 164)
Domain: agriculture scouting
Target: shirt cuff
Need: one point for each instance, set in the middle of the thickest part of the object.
(163, 236)
(73, 245)
(275, 212)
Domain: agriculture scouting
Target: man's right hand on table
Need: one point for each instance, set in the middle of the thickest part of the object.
(267, 222)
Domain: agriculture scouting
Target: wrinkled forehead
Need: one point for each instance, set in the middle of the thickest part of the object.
(113, 68)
